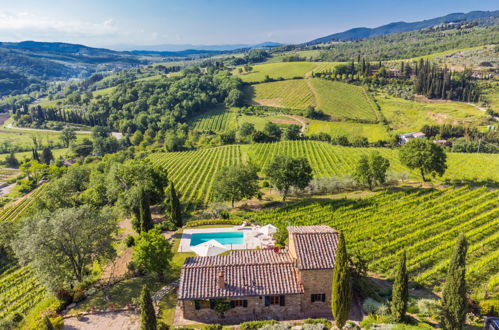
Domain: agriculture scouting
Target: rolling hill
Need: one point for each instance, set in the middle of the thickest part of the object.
(396, 27)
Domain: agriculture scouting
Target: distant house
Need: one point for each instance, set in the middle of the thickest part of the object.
(444, 143)
(263, 284)
(404, 138)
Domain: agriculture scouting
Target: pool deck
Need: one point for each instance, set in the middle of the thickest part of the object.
(252, 238)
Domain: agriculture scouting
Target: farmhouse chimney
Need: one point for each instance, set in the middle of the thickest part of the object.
(221, 280)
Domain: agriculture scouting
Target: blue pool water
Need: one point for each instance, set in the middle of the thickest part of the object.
(225, 238)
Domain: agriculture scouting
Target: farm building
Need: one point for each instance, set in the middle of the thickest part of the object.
(404, 138)
(263, 284)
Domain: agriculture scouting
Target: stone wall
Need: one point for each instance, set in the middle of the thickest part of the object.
(256, 310)
(316, 282)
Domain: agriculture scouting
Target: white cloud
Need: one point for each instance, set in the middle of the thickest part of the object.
(24, 25)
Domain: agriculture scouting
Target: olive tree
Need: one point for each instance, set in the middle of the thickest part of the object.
(285, 172)
(62, 245)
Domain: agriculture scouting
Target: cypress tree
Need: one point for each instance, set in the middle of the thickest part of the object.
(145, 213)
(454, 293)
(147, 313)
(341, 294)
(173, 206)
(400, 290)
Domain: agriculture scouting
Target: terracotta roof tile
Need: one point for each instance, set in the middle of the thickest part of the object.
(315, 246)
(246, 273)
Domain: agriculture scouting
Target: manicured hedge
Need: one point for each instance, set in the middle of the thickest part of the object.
(196, 223)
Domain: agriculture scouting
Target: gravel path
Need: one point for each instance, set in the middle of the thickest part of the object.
(108, 321)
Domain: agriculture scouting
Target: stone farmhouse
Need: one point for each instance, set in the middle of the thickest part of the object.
(293, 283)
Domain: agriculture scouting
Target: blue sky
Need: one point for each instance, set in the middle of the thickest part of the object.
(108, 23)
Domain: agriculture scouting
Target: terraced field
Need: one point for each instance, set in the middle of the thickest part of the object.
(218, 120)
(423, 222)
(328, 160)
(7, 173)
(19, 289)
(341, 100)
(294, 94)
(336, 99)
(193, 171)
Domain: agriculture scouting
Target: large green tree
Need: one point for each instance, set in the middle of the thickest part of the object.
(400, 290)
(424, 155)
(342, 288)
(62, 245)
(285, 172)
(233, 183)
(147, 313)
(454, 293)
(67, 136)
(173, 206)
(133, 186)
(153, 253)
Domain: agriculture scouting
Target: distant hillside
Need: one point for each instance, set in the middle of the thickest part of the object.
(33, 62)
(396, 27)
(189, 47)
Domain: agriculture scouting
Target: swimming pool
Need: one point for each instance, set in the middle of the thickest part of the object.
(224, 238)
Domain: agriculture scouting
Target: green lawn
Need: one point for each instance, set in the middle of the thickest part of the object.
(373, 132)
(407, 116)
(120, 294)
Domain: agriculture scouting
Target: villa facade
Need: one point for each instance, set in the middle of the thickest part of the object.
(263, 284)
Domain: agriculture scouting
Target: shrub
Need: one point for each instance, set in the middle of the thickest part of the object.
(78, 295)
(196, 223)
(323, 322)
(255, 325)
(489, 307)
(429, 307)
(383, 310)
(163, 326)
(278, 326)
(370, 306)
(64, 296)
(213, 327)
(17, 317)
(130, 241)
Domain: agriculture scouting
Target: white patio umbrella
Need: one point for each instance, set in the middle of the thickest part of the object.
(209, 248)
(268, 230)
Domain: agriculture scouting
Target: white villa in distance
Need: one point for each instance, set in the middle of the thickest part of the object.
(404, 138)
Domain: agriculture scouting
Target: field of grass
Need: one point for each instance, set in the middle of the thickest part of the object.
(408, 116)
(217, 120)
(424, 222)
(285, 70)
(260, 121)
(294, 94)
(341, 100)
(490, 94)
(373, 132)
(28, 154)
(193, 172)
